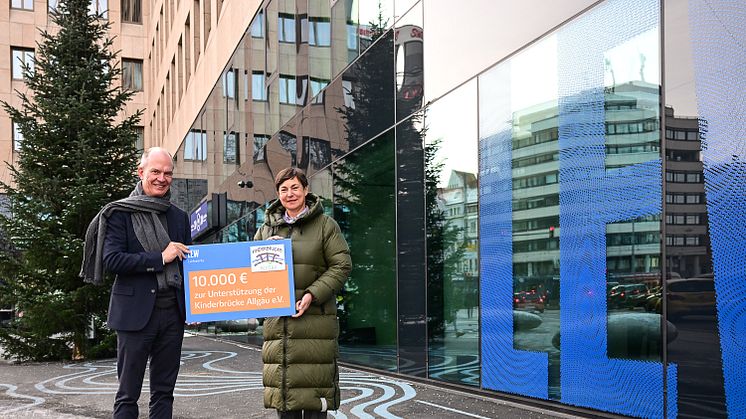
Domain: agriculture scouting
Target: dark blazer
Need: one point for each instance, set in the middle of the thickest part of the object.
(134, 290)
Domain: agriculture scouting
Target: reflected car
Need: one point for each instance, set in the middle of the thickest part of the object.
(228, 326)
(653, 300)
(627, 295)
(691, 296)
(528, 301)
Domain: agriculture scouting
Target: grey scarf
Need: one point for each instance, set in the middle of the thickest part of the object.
(149, 222)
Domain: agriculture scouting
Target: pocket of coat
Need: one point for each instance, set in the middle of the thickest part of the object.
(123, 290)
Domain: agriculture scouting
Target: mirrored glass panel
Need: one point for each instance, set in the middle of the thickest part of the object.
(701, 155)
(452, 236)
(401, 7)
(365, 207)
(465, 41)
(367, 88)
(319, 46)
(633, 250)
(408, 45)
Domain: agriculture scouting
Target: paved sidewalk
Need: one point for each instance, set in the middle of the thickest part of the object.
(221, 379)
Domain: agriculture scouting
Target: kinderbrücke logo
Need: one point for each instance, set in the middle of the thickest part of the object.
(267, 257)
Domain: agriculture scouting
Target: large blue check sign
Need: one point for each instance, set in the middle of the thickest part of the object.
(230, 281)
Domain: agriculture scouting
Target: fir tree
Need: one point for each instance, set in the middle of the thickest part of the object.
(73, 159)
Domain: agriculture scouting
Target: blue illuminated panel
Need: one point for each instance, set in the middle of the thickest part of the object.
(718, 29)
(503, 368)
(592, 196)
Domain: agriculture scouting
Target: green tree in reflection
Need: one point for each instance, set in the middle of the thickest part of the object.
(72, 160)
(445, 248)
(364, 203)
(372, 87)
(364, 207)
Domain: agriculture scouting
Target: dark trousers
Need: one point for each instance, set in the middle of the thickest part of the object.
(301, 414)
(160, 341)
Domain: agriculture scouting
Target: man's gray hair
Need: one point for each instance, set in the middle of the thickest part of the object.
(146, 154)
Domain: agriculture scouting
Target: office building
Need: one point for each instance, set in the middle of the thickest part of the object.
(503, 172)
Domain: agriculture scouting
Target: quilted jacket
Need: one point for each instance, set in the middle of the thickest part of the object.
(300, 354)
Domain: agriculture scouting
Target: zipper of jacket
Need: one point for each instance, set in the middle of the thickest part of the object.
(336, 383)
(284, 363)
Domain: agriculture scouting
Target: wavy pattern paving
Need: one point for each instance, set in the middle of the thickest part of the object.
(366, 396)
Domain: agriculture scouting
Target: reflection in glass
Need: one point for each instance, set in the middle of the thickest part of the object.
(319, 32)
(195, 145)
(368, 90)
(319, 43)
(257, 25)
(344, 37)
(452, 237)
(286, 28)
(633, 251)
(259, 142)
(373, 20)
(258, 88)
(690, 275)
(288, 90)
(408, 43)
(231, 153)
(364, 207)
(523, 115)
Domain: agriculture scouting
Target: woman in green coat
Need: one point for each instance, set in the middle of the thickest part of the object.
(300, 375)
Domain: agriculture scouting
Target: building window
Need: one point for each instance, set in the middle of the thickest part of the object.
(684, 240)
(230, 84)
(319, 32)
(20, 57)
(289, 143)
(288, 90)
(132, 74)
(317, 85)
(52, 4)
(317, 153)
(684, 177)
(131, 11)
(257, 26)
(17, 136)
(22, 4)
(347, 93)
(286, 28)
(352, 37)
(260, 141)
(99, 7)
(694, 199)
(258, 90)
(195, 146)
(230, 148)
(140, 140)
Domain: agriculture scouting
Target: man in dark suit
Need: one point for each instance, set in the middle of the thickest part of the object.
(144, 244)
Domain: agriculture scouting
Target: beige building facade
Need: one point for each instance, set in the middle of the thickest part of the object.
(20, 24)
(170, 49)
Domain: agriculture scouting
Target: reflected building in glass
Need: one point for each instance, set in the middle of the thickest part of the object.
(543, 220)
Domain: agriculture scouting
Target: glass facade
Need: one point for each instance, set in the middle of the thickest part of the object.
(558, 226)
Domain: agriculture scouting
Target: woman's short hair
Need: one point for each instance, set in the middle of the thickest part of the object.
(290, 173)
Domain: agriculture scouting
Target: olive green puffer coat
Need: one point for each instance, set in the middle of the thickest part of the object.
(300, 354)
